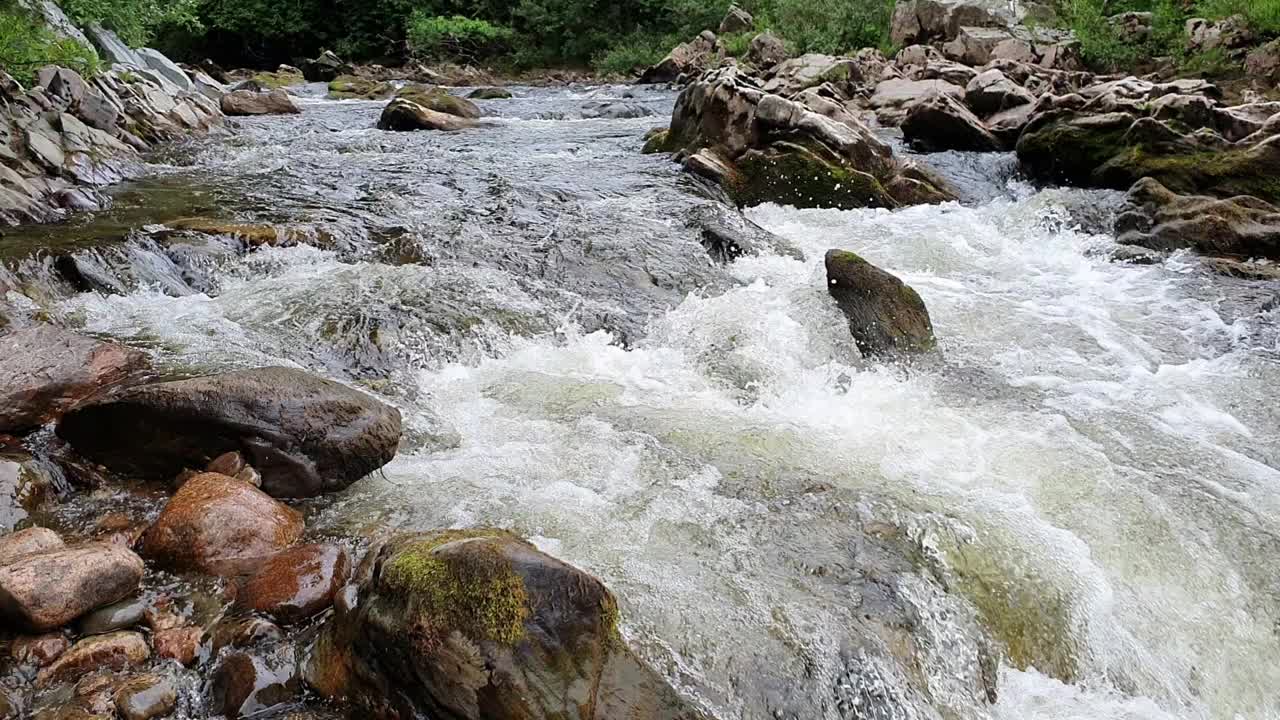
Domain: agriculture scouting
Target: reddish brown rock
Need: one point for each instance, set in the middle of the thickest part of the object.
(181, 644)
(246, 684)
(50, 589)
(38, 650)
(163, 615)
(219, 524)
(247, 102)
(297, 583)
(227, 464)
(115, 652)
(27, 542)
(45, 371)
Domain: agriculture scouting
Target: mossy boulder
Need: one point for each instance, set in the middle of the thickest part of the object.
(1159, 219)
(354, 87)
(792, 174)
(278, 79)
(886, 316)
(490, 93)
(439, 100)
(480, 624)
(655, 141)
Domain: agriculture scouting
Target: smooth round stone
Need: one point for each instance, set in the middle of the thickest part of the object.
(122, 615)
(146, 697)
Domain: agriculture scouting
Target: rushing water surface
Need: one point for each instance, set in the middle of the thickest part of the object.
(1085, 483)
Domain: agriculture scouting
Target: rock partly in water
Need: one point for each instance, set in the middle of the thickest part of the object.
(325, 68)
(403, 115)
(38, 651)
(119, 616)
(25, 483)
(886, 316)
(480, 624)
(247, 102)
(1159, 219)
(45, 371)
(52, 588)
(115, 652)
(490, 93)
(940, 122)
(305, 435)
(183, 645)
(355, 87)
(146, 697)
(439, 100)
(615, 110)
(247, 684)
(220, 525)
(296, 584)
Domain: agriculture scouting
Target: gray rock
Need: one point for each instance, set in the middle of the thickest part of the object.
(683, 60)
(120, 616)
(157, 61)
(57, 21)
(737, 20)
(245, 102)
(975, 45)
(886, 316)
(612, 110)
(766, 50)
(991, 92)
(940, 122)
(892, 97)
(924, 21)
(24, 483)
(112, 49)
(1159, 219)
(306, 435)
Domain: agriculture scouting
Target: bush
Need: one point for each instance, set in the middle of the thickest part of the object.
(455, 37)
(135, 21)
(633, 53)
(26, 45)
(1102, 43)
(828, 26)
(1263, 15)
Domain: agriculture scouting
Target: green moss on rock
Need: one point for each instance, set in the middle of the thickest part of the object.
(273, 80)
(474, 590)
(656, 142)
(351, 87)
(439, 100)
(792, 174)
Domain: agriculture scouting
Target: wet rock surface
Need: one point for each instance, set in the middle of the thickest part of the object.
(296, 584)
(405, 115)
(45, 371)
(886, 316)
(1159, 219)
(248, 102)
(219, 524)
(115, 652)
(305, 435)
(146, 697)
(49, 589)
(480, 624)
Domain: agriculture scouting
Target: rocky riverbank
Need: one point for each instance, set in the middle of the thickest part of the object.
(811, 130)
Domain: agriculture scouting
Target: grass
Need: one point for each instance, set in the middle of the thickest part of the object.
(26, 45)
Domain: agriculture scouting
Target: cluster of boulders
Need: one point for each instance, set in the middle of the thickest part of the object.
(469, 623)
(65, 138)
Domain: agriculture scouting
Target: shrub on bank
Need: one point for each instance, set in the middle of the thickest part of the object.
(26, 45)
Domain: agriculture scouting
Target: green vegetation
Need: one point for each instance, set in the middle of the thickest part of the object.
(434, 37)
(26, 45)
(1105, 47)
(135, 21)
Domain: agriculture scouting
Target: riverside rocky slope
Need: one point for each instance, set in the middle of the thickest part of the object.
(240, 537)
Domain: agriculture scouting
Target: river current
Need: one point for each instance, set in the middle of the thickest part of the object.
(1084, 485)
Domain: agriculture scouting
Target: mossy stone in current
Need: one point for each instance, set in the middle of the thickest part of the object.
(886, 316)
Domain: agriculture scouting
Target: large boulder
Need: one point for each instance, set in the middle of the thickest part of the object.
(940, 122)
(976, 45)
(220, 525)
(926, 21)
(1159, 219)
(886, 316)
(18, 545)
(405, 115)
(248, 684)
(45, 371)
(892, 98)
(791, 76)
(325, 68)
(439, 100)
(49, 589)
(1230, 34)
(737, 20)
(809, 151)
(991, 92)
(158, 62)
(247, 102)
(306, 435)
(355, 87)
(480, 624)
(685, 60)
(766, 50)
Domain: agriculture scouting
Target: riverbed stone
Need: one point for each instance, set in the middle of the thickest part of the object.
(479, 624)
(118, 616)
(886, 316)
(50, 589)
(246, 102)
(439, 100)
(24, 484)
(243, 633)
(296, 584)
(305, 435)
(490, 93)
(24, 543)
(1159, 219)
(219, 524)
(246, 683)
(146, 697)
(38, 650)
(45, 371)
(182, 645)
(355, 87)
(403, 115)
(115, 652)
(940, 122)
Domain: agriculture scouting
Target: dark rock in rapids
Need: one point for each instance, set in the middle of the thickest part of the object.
(325, 68)
(220, 525)
(45, 371)
(247, 684)
(439, 100)
(305, 435)
(1159, 219)
(480, 624)
(245, 102)
(296, 584)
(403, 115)
(886, 316)
(490, 93)
(610, 110)
(49, 589)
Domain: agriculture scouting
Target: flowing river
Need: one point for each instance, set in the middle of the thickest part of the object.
(1076, 506)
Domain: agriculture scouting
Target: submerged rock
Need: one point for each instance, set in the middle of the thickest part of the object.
(480, 624)
(886, 316)
(403, 115)
(305, 435)
(1159, 219)
(490, 93)
(613, 110)
(247, 102)
(219, 524)
(45, 371)
(49, 589)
